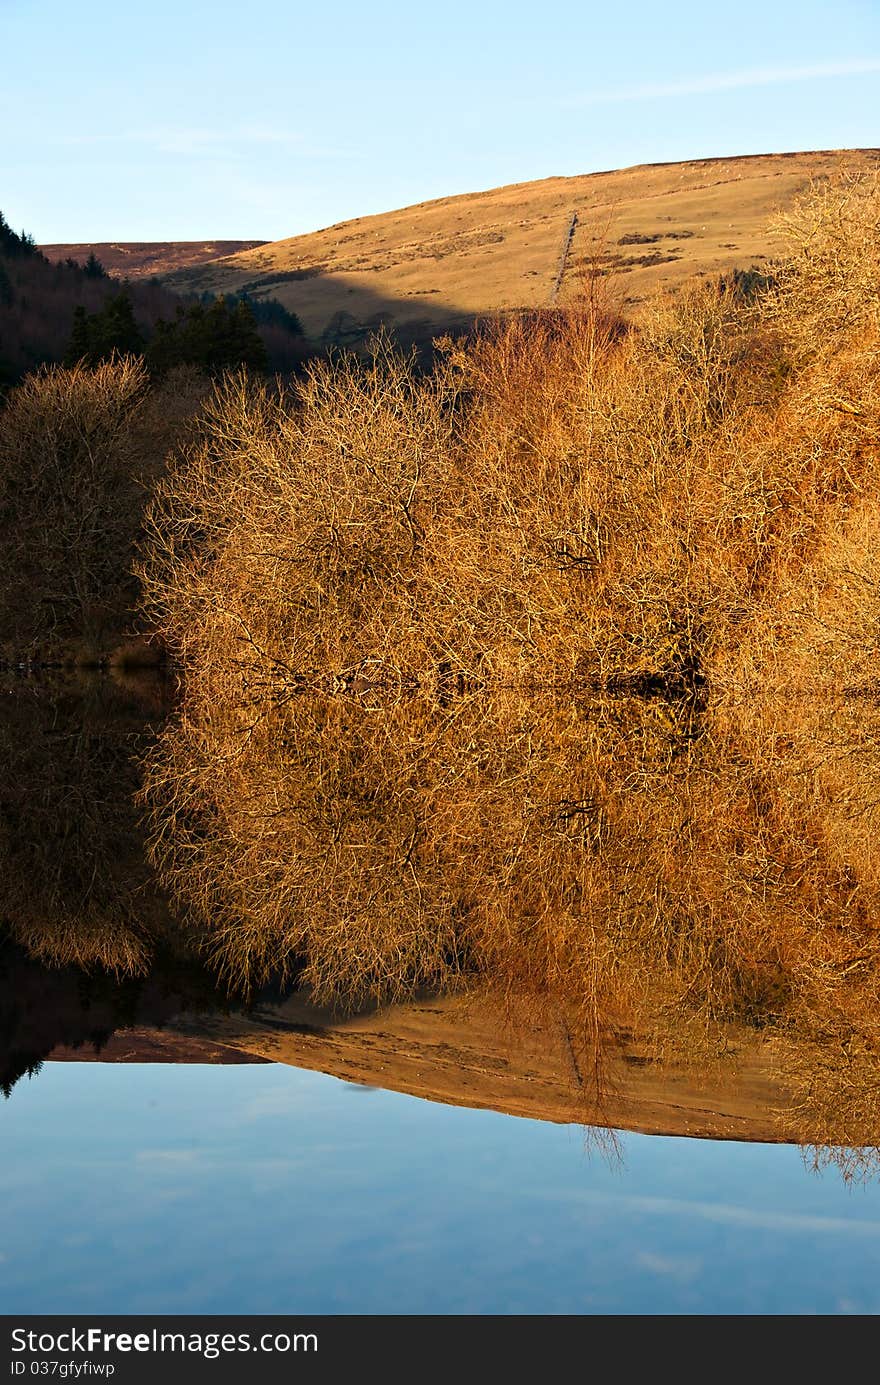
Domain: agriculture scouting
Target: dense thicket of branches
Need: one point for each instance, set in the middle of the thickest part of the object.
(80, 451)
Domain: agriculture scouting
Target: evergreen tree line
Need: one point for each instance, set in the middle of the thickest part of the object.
(266, 311)
(39, 298)
(214, 335)
(17, 244)
(92, 269)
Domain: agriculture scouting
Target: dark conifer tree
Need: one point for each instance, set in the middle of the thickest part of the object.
(250, 345)
(14, 244)
(93, 267)
(80, 346)
(97, 336)
(215, 336)
(121, 332)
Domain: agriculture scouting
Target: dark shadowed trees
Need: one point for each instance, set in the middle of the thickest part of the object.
(214, 337)
(113, 329)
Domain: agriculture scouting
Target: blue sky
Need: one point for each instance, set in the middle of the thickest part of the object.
(184, 119)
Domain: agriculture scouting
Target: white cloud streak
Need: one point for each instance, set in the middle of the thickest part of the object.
(715, 82)
(185, 142)
(726, 1214)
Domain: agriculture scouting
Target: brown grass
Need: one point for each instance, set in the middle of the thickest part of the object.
(443, 264)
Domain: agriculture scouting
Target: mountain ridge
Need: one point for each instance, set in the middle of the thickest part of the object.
(147, 259)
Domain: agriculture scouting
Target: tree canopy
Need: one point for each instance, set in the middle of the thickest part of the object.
(215, 337)
(16, 244)
(113, 329)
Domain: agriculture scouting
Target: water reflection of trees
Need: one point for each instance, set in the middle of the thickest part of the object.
(87, 944)
(674, 869)
(689, 872)
(76, 887)
(42, 1006)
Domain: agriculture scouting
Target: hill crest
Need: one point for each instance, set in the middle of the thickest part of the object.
(436, 266)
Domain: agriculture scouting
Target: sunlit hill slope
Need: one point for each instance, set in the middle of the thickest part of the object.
(438, 265)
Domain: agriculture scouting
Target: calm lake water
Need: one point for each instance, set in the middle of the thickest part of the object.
(157, 1188)
(223, 1185)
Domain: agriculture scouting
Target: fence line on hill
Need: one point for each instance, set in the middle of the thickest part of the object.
(563, 258)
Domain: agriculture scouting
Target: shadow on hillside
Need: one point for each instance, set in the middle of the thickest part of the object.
(337, 310)
(411, 321)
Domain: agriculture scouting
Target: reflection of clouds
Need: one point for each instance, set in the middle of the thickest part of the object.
(168, 1158)
(755, 1217)
(278, 1101)
(726, 1214)
(681, 1267)
(296, 1100)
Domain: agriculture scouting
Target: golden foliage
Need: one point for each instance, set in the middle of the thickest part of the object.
(79, 448)
(552, 671)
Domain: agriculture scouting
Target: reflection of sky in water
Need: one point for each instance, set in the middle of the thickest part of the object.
(209, 1189)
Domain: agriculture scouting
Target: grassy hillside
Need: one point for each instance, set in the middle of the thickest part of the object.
(435, 266)
(145, 259)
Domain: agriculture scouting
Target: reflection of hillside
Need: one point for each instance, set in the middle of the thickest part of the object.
(42, 1007)
(468, 1053)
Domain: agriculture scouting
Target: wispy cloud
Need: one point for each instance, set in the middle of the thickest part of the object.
(202, 141)
(714, 82)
